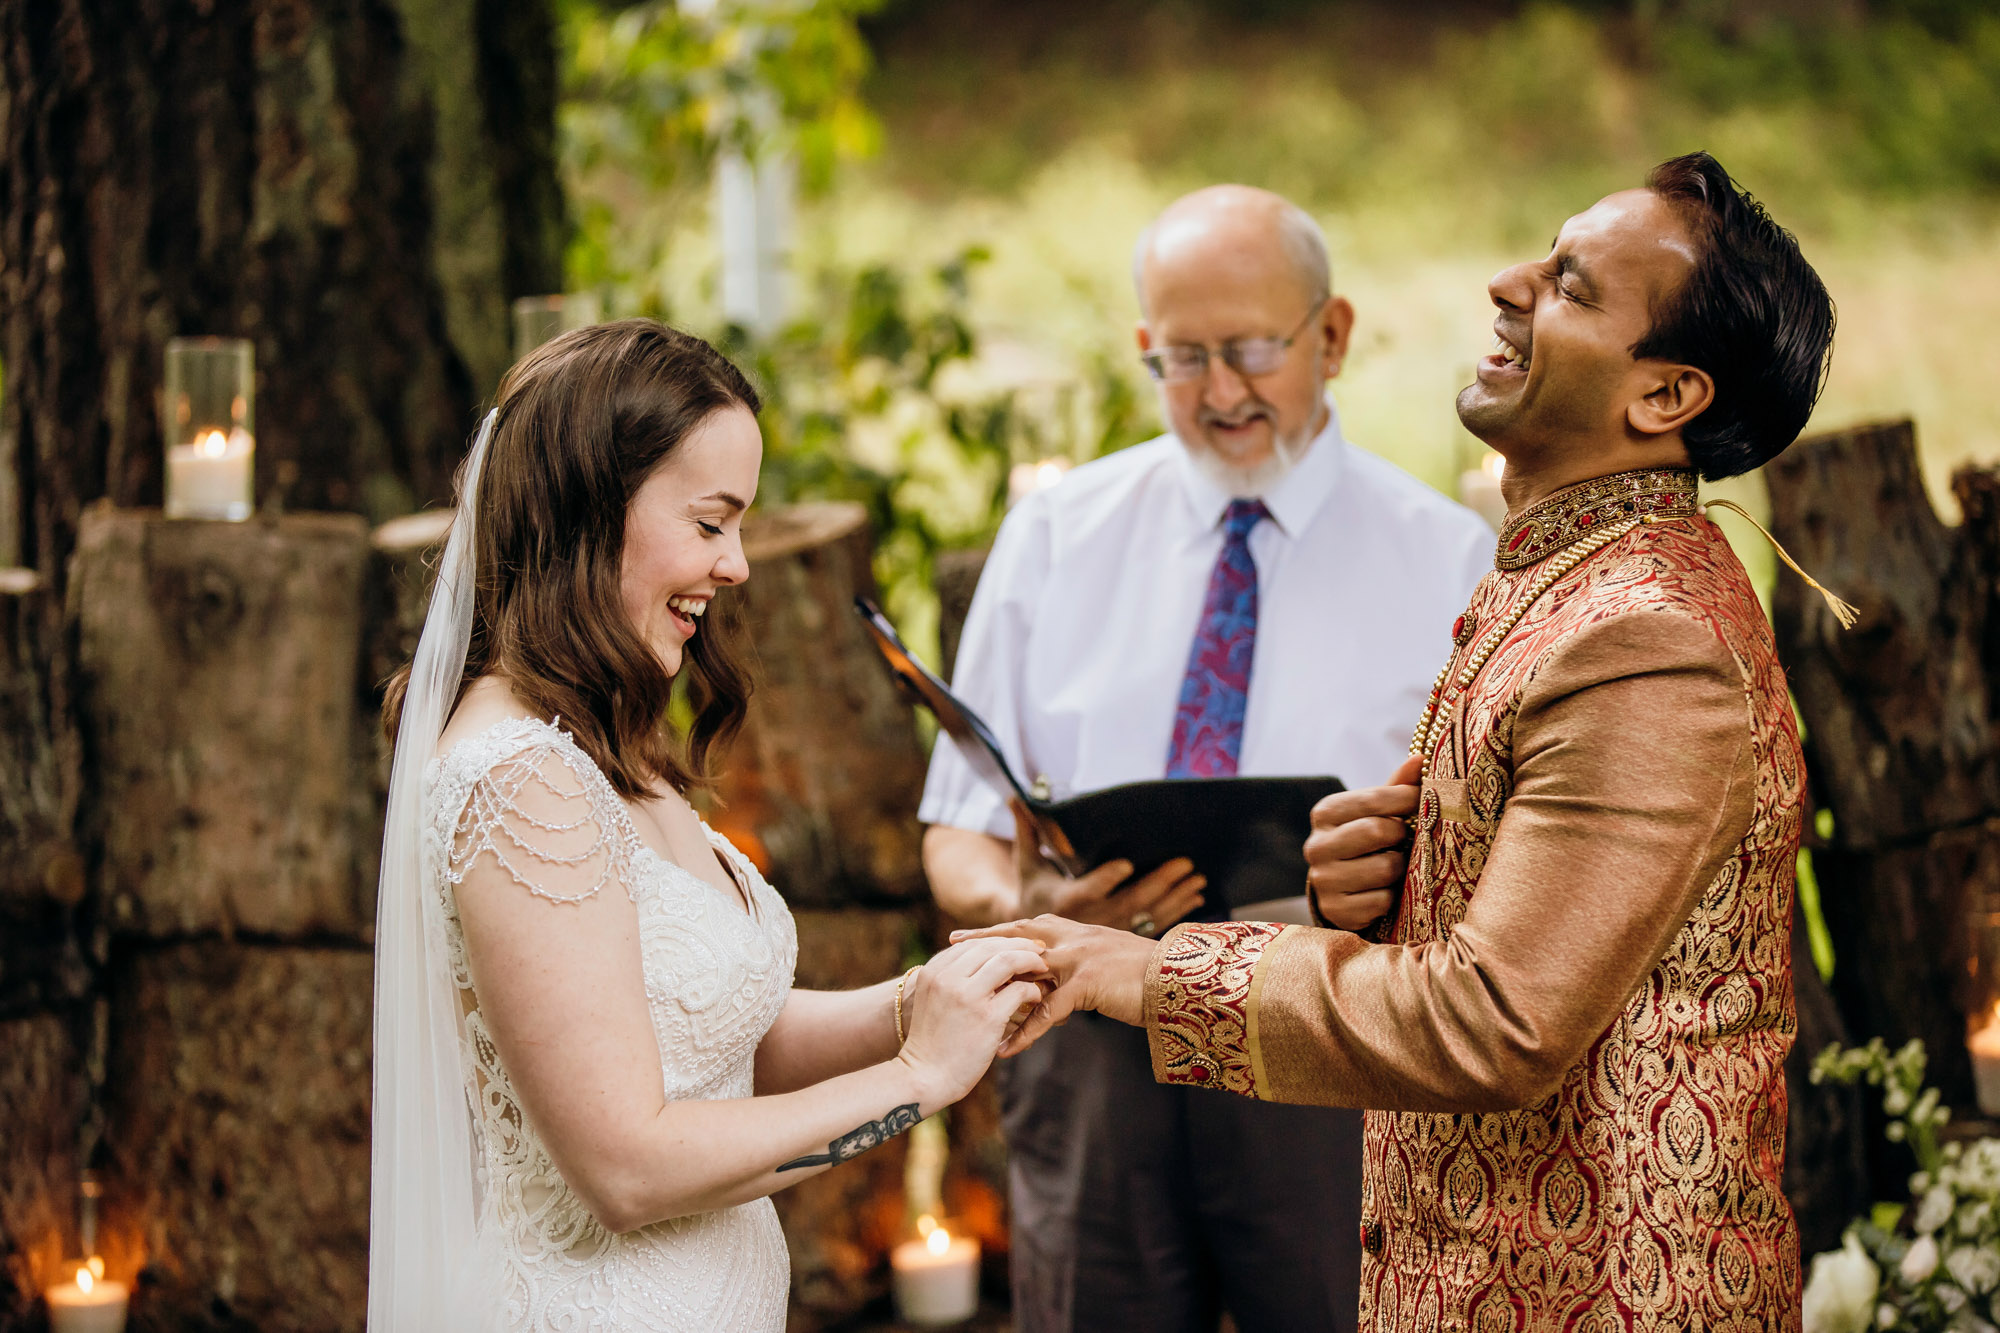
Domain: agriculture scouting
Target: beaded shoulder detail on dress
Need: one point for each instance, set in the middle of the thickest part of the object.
(524, 791)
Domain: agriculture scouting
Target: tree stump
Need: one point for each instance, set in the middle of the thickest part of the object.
(219, 665)
(238, 1135)
(822, 788)
(1900, 732)
(956, 576)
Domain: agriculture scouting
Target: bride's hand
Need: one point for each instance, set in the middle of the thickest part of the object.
(961, 1006)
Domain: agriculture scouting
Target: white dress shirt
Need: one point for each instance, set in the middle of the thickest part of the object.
(1078, 636)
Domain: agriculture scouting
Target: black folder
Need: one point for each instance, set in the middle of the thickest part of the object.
(1246, 835)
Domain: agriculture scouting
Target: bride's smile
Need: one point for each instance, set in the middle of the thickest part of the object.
(684, 531)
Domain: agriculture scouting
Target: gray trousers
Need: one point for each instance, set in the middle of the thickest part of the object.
(1150, 1209)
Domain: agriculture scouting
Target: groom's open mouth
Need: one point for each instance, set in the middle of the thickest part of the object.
(687, 613)
(1508, 357)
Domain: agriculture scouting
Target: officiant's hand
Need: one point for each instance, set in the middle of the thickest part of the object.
(1094, 967)
(1108, 895)
(1355, 854)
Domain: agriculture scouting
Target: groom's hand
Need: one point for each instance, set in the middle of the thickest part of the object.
(1095, 967)
(1354, 856)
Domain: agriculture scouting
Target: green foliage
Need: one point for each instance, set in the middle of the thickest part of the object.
(880, 397)
(1915, 1112)
(652, 92)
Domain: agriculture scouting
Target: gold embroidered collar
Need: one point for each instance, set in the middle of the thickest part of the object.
(1547, 526)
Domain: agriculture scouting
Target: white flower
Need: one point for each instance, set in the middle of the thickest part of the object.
(1975, 1268)
(1951, 1298)
(1885, 1315)
(1920, 1262)
(1979, 1169)
(1841, 1290)
(1934, 1211)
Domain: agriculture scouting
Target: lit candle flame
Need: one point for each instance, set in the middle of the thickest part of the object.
(212, 445)
(938, 1241)
(1495, 465)
(97, 1265)
(926, 1224)
(84, 1280)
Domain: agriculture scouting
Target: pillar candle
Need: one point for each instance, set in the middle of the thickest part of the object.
(211, 478)
(1479, 490)
(87, 1304)
(936, 1278)
(1985, 1048)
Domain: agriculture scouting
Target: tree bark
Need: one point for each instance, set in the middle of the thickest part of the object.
(1901, 738)
(271, 170)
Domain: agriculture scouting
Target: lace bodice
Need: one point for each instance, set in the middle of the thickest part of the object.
(716, 978)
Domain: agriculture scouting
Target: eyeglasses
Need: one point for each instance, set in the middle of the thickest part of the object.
(1245, 356)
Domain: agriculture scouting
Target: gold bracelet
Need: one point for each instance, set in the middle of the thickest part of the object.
(900, 983)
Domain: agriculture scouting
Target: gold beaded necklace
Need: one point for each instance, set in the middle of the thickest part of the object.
(1558, 565)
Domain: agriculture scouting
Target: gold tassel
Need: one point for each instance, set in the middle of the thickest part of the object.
(1842, 612)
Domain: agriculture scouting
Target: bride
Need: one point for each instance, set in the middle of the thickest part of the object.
(591, 1068)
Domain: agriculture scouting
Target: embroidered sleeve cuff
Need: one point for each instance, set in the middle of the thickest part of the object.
(1201, 1005)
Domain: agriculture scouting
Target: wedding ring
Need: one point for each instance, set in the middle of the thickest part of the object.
(1143, 924)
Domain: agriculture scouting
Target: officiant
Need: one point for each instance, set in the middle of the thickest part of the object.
(1249, 594)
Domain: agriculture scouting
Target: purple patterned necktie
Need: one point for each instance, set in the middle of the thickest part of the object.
(1208, 724)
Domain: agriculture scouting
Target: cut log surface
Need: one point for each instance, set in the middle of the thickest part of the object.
(219, 665)
(1900, 730)
(822, 787)
(238, 1143)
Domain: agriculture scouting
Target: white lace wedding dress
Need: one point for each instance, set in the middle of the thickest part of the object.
(716, 978)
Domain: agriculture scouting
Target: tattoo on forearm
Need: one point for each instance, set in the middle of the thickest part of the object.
(857, 1141)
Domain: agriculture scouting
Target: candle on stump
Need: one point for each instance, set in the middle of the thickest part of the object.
(207, 420)
(1023, 479)
(1984, 1045)
(1479, 489)
(936, 1275)
(87, 1303)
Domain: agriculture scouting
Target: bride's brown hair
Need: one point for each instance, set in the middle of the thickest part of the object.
(583, 421)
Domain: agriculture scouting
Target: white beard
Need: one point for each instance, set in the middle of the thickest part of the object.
(1249, 483)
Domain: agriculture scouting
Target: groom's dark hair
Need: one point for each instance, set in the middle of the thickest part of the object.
(1753, 314)
(582, 421)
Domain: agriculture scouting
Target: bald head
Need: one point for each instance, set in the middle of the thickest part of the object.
(1231, 233)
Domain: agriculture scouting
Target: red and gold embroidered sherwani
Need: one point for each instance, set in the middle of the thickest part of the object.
(1573, 1042)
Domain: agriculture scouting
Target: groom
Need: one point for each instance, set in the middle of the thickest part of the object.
(1572, 1043)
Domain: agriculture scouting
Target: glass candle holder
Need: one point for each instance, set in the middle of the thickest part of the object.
(209, 428)
(540, 318)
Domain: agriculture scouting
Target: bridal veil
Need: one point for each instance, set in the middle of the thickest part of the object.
(423, 1193)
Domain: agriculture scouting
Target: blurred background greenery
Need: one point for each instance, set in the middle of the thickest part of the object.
(974, 175)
